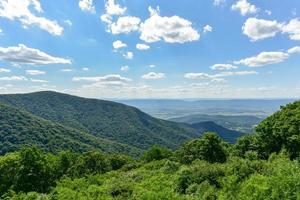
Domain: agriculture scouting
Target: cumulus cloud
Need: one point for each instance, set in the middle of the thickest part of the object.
(169, 29)
(153, 76)
(152, 66)
(119, 44)
(24, 54)
(258, 29)
(264, 58)
(4, 70)
(107, 78)
(34, 72)
(13, 78)
(87, 5)
(128, 55)
(125, 24)
(294, 50)
(19, 10)
(85, 69)
(124, 68)
(142, 47)
(244, 7)
(223, 67)
(293, 29)
(112, 8)
(207, 28)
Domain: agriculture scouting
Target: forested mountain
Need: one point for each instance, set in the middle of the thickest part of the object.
(19, 128)
(108, 121)
(264, 165)
(242, 123)
(226, 134)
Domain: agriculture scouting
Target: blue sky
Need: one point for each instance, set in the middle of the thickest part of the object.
(151, 49)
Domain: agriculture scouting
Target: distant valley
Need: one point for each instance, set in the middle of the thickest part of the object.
(236, 114)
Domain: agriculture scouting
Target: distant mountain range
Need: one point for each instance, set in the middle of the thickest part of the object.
(242, 123)
(170, 108)
(56, 121)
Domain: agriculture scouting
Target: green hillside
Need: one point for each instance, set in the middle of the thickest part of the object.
(104, 119)
(19, 128)
(261, 166)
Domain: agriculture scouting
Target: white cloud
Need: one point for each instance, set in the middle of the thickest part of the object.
(106, 18)
(107, 78)
(153, 76)
(293, 29)
(13, 78)
(294, 50)
(124, 68)
(207, 28)
(244, 7)
(152, 66)
(113, 8)
(35, 72)
(87, 5)
(218, 2)
(38, 81)
(125, 24)
(128, 55)
(258, 29)
(66, 70)
(170, 29)
(142, 46)
(237, 73)
(264, 58)
(24, 54)
(4, 70)
(20, 10)
(85, 69)
(119, 44)
(216, 77)
(196, 76)
(223, 67)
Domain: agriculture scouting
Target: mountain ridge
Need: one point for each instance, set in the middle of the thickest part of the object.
(105, 120)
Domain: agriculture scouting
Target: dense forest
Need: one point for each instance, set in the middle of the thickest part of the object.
(55, 121)
(264, 165)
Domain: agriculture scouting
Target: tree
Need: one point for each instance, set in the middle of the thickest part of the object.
(210, 148)
(156, 153)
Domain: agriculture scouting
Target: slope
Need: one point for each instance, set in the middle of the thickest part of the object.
(19, 128)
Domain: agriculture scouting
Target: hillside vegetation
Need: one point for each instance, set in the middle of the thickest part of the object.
(103, 121)
(19, 128)
(261, 166)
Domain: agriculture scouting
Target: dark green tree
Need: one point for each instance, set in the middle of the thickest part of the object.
(209, 147)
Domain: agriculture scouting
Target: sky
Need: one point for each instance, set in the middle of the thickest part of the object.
(151, 49)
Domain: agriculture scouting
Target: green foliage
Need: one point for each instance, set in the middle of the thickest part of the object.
(261, 166)
(277, 132)
(19, 128)
(156, 153)
(210, 148)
